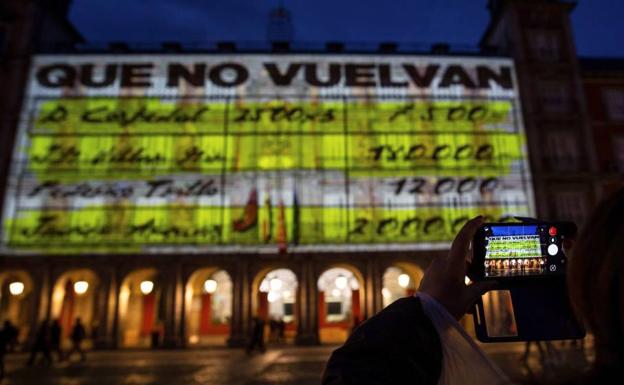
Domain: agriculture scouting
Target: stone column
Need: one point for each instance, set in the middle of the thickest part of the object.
(372, 287)
(41, 304)
(172, 292)
(106, 309)
(307, 299)
(241, 304)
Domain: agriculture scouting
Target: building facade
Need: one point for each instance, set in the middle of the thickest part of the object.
(603, 83)
(195, 299)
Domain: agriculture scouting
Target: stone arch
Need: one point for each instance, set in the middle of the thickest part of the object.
(208, 306)
(339, 303)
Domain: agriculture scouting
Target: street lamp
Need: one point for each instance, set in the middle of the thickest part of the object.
(146, 287)
(272, 296)
(81, 287)
(341, 282)
(16, 288)
(210, 286)
(404, 280)
(275, 284)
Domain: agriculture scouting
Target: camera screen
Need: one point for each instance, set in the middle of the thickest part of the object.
(523, 250)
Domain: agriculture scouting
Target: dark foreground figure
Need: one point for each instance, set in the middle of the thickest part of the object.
(397, 346)
(415, 340)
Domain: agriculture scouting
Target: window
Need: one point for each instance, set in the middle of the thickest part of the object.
(562, 153)
(614, 102)
(618, 152)
(334, 308)
(554, 97)
(571, 205)
(545, 45)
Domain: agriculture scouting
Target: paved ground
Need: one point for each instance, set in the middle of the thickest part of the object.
(281, 366)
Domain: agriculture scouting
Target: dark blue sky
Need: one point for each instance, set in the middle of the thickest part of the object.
(597, 24)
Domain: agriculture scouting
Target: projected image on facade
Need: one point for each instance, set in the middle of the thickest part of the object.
(217, 152)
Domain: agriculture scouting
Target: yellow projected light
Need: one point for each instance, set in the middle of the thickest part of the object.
(263, 166)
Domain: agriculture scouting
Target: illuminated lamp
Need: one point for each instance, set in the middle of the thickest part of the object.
(336, 293)
(16, 288)
(81, 287)
(386, 293)
(404, 280)
(272, 297)
(341, 282)
(467, 280)
(275, 284)
(146, 287)
(210, 286)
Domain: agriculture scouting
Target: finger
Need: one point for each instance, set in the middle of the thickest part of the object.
(459, 248)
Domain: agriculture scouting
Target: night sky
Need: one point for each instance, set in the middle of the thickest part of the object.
(597, 24)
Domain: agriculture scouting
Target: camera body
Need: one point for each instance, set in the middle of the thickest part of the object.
(528, 261)
(520, 251)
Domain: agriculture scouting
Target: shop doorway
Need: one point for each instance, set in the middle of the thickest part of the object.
(74, 298)
(140, 319)
(277, 305)
(339, 304)
(400, 281)
(16, 304)
(208, 301)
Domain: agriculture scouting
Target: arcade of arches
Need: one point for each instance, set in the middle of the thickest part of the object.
(191, 304)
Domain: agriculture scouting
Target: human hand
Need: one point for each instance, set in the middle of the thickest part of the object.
(444, 279)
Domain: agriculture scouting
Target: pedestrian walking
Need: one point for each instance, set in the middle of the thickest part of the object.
(55, 339)
(4, 341)
(12, 333)
(41, 344)
(257, 336)
(77, 336)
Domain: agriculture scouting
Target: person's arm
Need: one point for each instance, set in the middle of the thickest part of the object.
(400, 345)
(397, 346)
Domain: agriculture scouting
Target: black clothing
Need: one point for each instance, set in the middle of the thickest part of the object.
(55, 335)
(11, 334)
(55, 340)
(41, 344)
(257, 336)
(397, 346)
(78, 333)
(4, 342)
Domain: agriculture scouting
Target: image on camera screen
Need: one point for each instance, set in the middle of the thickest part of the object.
(522, 250)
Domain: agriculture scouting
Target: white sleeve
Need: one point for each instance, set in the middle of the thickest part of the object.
(463, 361)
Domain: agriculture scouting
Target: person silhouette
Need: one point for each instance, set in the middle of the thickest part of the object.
(55, 339)
(418, 340)
(4, 341)
(41, 344)
(12, 334)
(77, 336)
(257, 336)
